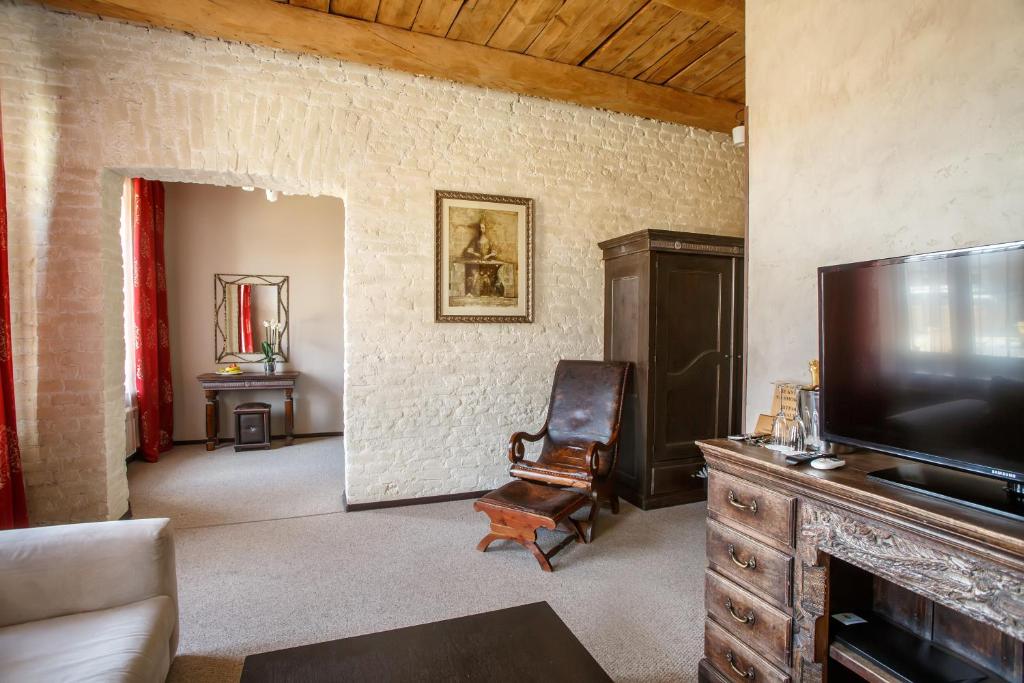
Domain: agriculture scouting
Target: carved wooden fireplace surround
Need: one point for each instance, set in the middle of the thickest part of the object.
(960, 558)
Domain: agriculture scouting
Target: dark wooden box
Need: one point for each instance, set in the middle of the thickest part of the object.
(252, 426)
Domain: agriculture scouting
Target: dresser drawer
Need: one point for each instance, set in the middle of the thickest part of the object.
(736, 661)
(737, 500)
(765, 628)
(751, 564)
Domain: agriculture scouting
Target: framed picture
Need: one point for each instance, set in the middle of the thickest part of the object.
(483, 258)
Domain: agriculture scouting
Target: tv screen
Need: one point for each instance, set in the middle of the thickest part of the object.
(923, 357)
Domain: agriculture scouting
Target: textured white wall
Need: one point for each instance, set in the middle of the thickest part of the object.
(878, 129)
(428, 406)
(226, 230)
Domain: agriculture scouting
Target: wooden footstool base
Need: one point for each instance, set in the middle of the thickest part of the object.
(519, 508)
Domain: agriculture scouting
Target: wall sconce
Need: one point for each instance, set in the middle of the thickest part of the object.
(739, 136)
(739, 133)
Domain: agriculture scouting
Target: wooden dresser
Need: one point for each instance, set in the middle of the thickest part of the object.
(788, 546)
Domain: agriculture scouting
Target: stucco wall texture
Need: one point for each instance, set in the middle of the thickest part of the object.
(876, 129)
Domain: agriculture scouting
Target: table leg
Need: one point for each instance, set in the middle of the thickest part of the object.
(212, 419)
(289, 418)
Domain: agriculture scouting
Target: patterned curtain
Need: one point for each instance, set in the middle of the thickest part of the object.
(13, 508)
(152, 345)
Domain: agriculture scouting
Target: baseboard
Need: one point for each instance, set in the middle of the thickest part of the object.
(403, 502)
(273, 437)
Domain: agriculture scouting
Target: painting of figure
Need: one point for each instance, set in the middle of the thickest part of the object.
(484, 258)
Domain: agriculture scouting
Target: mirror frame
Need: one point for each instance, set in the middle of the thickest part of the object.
(220, 315)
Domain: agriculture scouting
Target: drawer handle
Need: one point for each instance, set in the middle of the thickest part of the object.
(749, 619)
(750, 563)
(734, 501)
(731, 658)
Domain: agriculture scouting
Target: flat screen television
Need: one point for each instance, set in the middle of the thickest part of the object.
(923, 357)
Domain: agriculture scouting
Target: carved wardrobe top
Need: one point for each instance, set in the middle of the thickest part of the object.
(672, 241)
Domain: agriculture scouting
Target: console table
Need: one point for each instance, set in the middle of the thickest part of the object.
(214, 383)
(788, 546)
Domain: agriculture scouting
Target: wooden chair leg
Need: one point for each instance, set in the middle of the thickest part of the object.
(486, 541)
(595, 505)
(577, 530)
(615, 503)
(542, 559)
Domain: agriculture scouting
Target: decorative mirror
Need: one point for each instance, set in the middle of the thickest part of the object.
(247, 308)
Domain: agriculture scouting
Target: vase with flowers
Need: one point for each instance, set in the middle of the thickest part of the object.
(271, 345)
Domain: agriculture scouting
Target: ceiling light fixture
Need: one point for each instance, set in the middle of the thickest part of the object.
(271, 195)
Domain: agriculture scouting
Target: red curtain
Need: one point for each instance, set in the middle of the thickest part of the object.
(152, 345)
(13, 509)
(245, 317)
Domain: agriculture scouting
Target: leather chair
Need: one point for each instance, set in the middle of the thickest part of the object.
(580, 434)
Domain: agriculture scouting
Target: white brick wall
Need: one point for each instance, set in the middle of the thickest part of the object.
(428, 406)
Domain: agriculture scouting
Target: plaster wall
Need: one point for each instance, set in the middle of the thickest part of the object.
(211, 230)
(877, 129)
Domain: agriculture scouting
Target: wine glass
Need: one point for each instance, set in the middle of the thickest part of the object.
(779, 429)
(796, 436)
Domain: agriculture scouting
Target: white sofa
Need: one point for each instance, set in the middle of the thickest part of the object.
(88, 602)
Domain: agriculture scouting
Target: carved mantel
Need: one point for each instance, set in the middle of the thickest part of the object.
(964, 559)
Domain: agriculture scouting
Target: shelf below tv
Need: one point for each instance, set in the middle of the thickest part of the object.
(880, 651)
(982, 493)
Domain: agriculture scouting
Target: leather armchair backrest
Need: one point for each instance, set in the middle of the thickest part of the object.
(586, 405)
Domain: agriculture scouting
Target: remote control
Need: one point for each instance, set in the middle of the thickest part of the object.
(800, 458)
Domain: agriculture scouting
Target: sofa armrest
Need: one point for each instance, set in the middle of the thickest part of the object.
(53, 571)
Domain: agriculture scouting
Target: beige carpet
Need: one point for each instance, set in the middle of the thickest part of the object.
(634, 598)
(196, 488)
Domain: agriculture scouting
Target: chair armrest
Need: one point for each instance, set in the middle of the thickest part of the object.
(596, 450)
(516, 450)
(53, 571)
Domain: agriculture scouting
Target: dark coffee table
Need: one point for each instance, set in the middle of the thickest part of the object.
(520, 644)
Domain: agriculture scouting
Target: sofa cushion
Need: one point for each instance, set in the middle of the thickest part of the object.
(128, 643)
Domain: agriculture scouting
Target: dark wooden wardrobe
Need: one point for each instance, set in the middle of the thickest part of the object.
(673, 306)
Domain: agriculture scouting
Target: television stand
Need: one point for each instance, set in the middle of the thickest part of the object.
(789, 547)
(982, 493)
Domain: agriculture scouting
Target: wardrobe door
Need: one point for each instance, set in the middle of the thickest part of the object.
(693, 354)
(627, 296)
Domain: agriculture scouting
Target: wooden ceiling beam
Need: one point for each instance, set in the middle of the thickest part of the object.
(281, 26)
(726, 13)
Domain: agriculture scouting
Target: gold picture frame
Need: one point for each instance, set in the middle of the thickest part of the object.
(483, 258)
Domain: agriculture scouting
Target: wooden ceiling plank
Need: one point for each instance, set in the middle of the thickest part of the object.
(524, 22)
(400, 13)
(660, 44)
(284, 27)
(714, 61)
(737, 93)
(597, 27)
(630, 36)
(726, 13)
(560, 30)
(319, 5)
(356, 9)
(435, 17)
(478, 20)
(689, 50)
(724, 80)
